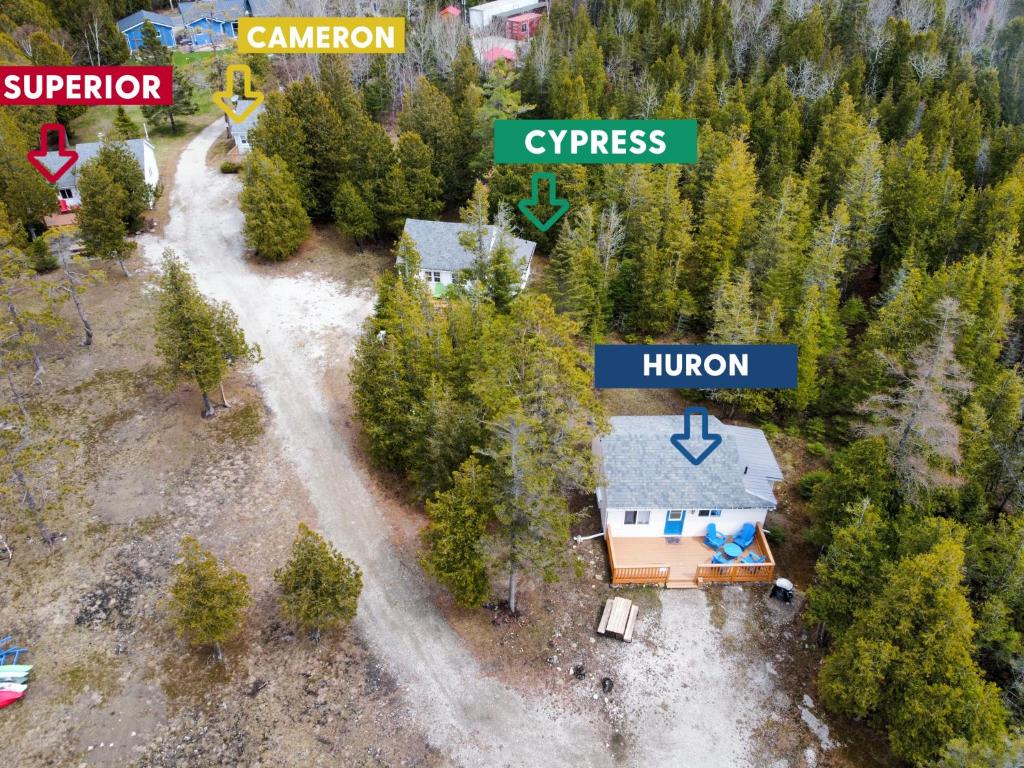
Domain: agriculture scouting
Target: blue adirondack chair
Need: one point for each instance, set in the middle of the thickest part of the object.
(746, 535)
(752, 559)
(10, 655)
(719, 559)
(713, 538)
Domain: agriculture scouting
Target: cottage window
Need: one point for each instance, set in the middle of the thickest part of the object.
(703, 512)
(630, 517)
(525, 27)
(437, 277)
(66, 194)
(675, 515)
(634, 517)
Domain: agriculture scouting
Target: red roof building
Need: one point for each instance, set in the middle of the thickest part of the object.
(523, 26)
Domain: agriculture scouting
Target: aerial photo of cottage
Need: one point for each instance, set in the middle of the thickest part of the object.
(562, 384)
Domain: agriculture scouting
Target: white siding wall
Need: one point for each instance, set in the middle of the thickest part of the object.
(426, 274)
(729, 523)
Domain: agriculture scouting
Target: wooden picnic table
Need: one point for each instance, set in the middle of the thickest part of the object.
(618, 618)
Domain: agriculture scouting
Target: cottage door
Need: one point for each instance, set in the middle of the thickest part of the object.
(674, 523)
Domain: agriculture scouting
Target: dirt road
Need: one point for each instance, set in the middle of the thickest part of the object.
(474, 719)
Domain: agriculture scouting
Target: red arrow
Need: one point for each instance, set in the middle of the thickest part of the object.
(36, 155)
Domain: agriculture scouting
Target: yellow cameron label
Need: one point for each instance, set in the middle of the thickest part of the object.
(321, 35)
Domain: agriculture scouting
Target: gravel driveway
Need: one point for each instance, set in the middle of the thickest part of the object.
(469, 716)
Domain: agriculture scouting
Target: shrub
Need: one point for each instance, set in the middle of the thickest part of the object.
(810, 481)
(771, 430)
(230, 166)
(776, 536)
(817, 448)
(41, 257)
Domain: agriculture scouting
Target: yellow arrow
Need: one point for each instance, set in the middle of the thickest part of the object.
(223, 98)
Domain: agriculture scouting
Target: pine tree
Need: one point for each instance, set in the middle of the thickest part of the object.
(727, 220)
(152, 52)
(410, 190)
(455, 538)
(576, 280)
(377, 89)
(124, 127)
(861, 193)
(279, 132)
(208, 599)
(323, 138)
(184, 102)
(196, 338)
(275, 222)
(542, 415)
(844, 133)
(430, 113)
(906, 663)
(352, 215)
(734, 321)
(100, 218)
(319, 586)
(122, 166)
(23, 191)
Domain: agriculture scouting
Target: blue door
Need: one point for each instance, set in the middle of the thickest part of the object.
(674, 522)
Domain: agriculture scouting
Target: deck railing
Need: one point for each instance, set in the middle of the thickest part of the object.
(637, 574)
(707, 573)
(737, 572)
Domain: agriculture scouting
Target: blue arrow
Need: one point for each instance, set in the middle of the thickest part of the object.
(678, 440)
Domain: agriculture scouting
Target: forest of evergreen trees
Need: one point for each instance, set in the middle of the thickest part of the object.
(859, 193)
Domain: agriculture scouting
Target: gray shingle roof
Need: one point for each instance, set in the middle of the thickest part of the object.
(86, 151)
(439, 247)
(644, 470)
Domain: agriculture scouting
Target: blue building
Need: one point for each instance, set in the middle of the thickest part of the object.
(210, 22)
(131, 28)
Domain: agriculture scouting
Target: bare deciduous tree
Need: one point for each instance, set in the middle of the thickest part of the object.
(915, 417)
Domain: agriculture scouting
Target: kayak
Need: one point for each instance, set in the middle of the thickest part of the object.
(13, 687)
(14, 672)
(9, 697)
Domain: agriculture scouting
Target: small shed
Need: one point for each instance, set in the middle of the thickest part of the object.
(450, 12)
(522, 26)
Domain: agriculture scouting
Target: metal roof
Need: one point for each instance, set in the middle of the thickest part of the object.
(644, 470)
(218, 10)
(438, 245)
(86, 151)
(141, 17)
(249, 123)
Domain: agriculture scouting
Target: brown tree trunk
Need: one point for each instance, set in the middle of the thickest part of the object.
(207, 406)
(513, 579)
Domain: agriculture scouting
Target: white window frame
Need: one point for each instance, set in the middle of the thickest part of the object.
(675, 515)
(66, 194)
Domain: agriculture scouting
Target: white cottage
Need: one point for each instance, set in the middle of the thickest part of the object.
(67, 184)
(656, 506)
(442, 256)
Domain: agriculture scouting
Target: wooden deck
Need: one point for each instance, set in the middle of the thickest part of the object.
(682, 562)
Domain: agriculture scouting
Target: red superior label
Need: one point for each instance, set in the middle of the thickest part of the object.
(71, 86)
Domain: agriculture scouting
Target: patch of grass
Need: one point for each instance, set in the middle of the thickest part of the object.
(97, 672)
(123, 382)
(148, 525)
(241, 424)
(715, 604)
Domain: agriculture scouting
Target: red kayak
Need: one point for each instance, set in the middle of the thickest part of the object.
(9, 697)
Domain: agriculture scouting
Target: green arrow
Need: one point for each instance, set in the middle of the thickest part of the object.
(559, 204)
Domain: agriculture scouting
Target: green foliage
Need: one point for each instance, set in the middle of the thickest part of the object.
(275, 222)
(905, 661)
(152, 52)
(40, 256)
(319, 587)
(184, 101)
(124, 127)
(100, 218)
(455, 537)
(810, 481)
(230, 166)
(352, 214)
(124, 169)
(196, 338)
(429, 113)
(207, 599)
